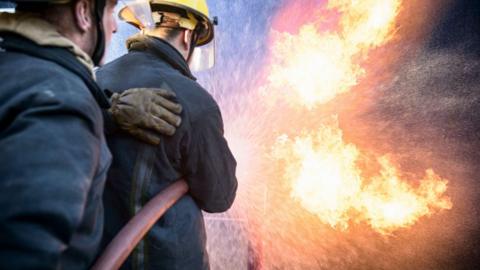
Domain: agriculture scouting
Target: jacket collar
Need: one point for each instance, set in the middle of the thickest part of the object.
(161, 49)
(42, 33)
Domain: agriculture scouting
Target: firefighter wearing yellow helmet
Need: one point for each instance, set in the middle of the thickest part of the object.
(196, 17)
(192, 15)
(159, 56)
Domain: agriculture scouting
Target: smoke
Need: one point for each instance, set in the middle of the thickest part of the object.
(422, 108)
(428, 116)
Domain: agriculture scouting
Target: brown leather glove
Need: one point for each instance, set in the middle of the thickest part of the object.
(146, 113)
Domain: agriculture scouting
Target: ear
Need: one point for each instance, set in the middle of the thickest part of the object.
(187, 37)
(82, 11)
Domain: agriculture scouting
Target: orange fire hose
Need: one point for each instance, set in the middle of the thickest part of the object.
(127, 239)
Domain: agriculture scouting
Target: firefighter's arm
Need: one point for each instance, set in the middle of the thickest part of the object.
(49, 155)
(210, 164)
(146, 114)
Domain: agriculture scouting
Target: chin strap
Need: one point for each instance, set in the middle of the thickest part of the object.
(100, 46)
(193, 44)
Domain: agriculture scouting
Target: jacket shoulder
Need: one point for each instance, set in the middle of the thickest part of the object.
(141, 70)
(41, 82)
(37, 76)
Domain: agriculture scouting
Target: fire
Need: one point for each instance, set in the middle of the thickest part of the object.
(327, 58)
(315, 66)
(366, 24)
(312, 68)
(321, 169)
(328, 182)
(389, 202)
(318, 65)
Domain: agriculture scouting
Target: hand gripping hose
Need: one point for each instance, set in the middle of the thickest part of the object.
(127, 239)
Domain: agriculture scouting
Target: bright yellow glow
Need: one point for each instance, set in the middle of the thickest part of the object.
(326, 181)
(318, 65)
(311, 68)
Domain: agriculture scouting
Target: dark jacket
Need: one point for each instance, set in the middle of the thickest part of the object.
(53, 163)
(197, 152)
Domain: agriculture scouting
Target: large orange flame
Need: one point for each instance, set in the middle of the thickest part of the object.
(328, 182)
(314, 67)
(320, 65)
(303, 193)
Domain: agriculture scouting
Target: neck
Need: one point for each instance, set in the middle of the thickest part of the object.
(77, 40)
(175, 42)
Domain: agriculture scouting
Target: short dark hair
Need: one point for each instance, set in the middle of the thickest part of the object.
(52, 13)
(37, 6)
(47, 11)
(171, 33)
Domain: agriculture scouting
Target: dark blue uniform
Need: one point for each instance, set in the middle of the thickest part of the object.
(53, 163)
(197, 152)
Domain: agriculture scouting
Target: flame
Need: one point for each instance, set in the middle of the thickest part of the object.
(388, 202)
(322, 54)
(318, 65)
(328, 182)
(313, 67)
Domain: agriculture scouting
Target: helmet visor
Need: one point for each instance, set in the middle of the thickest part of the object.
(137, 12)
(203, 57)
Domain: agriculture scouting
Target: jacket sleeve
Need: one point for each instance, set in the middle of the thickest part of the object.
(210, 164)
(109, 125)
(49, 151)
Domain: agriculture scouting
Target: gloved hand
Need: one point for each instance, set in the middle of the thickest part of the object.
(146, 113)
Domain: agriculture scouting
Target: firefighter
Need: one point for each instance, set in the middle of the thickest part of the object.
(53, 154)
(159, 57)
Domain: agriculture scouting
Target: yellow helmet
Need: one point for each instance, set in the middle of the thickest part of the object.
(195, 17)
